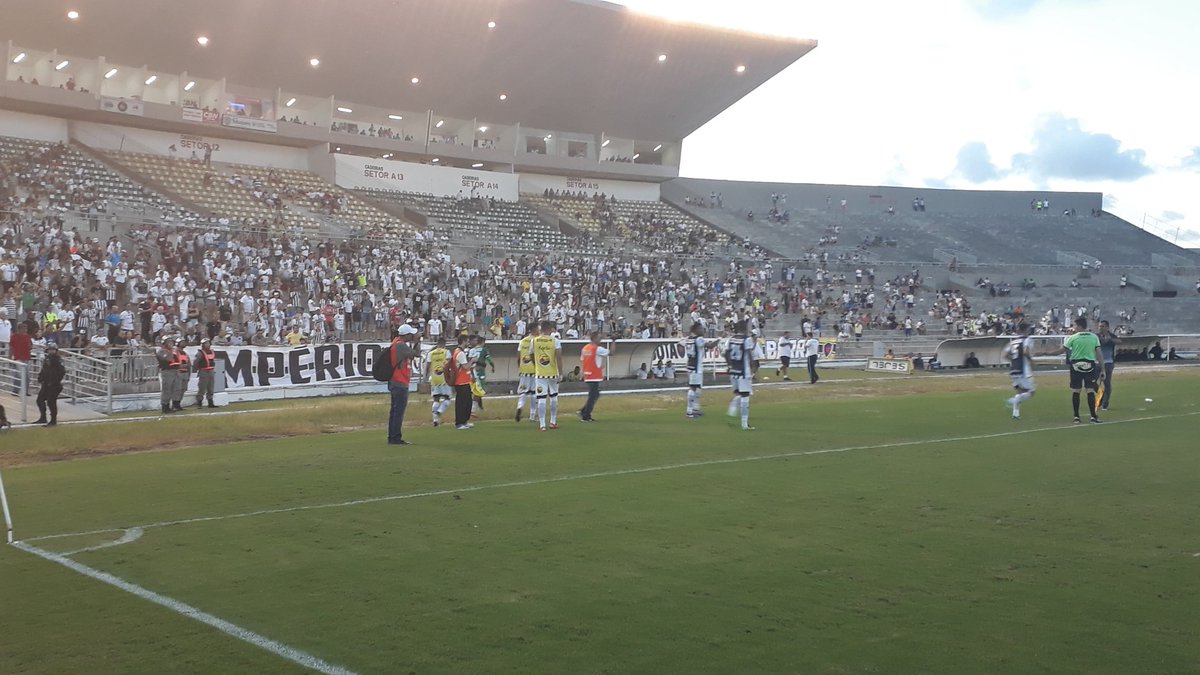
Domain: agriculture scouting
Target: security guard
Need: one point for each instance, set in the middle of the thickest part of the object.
(167, 367)
(203, 366)
(183, 373)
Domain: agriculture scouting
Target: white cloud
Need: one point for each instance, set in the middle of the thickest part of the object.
(896, 91)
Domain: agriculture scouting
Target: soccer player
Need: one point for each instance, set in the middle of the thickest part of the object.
(785, 355)
(739, 355)
(693, 349)
(593, 359)
(812, 349)
(1020, 354)
(525, 370)
(1108, 348)
(1085, 360)
(547, 369)
(483, 358)
(435, 371)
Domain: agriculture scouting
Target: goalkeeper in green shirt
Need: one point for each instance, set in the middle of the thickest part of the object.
(483, 360)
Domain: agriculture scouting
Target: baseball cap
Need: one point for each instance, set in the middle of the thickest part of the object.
(406, 329)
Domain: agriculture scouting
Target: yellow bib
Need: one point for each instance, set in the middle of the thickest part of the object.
(437, 366)
(544, 362)
(526, 365)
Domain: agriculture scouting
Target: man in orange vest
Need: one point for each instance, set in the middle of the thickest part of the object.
(594, 359)
(205, 363)
(401, 356)
(183, 372)
(461, 368)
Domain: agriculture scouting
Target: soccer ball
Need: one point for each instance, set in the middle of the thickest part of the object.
(766, 379)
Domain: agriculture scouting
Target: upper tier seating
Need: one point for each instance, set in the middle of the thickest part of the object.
(491, 221)
(975, 226)
(657, 227)
(74, 181)
(313, 193)
(210, 190)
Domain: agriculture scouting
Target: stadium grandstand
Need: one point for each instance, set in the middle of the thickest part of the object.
(308, 188)
(214, 195)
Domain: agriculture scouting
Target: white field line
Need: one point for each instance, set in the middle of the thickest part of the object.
(279, 649)
(131, 535)
(605, 474)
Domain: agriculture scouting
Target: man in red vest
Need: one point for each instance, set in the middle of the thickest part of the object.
(401, 357)
(594, 359)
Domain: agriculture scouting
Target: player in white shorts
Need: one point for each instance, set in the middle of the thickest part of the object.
(525, 372)
(693, 349)
(740, 356)
(547, 363)
(435, 370)
(1020, 354)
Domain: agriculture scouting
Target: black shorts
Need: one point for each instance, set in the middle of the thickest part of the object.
(1084, 374)
(785, 360)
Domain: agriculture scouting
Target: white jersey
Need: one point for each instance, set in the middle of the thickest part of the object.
(1020, 357)
(812, 347)
(785, 347)
(739, 355)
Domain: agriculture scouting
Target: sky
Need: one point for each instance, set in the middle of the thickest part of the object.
(1090, 95)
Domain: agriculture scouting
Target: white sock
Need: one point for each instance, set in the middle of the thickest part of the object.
(691, 401)
(542, 412)
(745, 411)
(521, 401)
(733, 406)
(444, 407)
(553, 410)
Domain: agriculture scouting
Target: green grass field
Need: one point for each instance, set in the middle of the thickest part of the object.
(882, 526)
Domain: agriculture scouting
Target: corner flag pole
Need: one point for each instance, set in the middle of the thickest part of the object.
(7, 514)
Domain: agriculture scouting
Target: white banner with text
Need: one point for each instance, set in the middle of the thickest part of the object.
(534, 183)
(365, 173)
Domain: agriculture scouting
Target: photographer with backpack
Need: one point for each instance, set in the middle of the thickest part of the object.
(395, 367)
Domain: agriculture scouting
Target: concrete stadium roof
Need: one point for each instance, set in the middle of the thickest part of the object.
(569, 65)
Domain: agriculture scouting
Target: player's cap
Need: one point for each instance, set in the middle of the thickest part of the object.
(406, 329)
(206, 341)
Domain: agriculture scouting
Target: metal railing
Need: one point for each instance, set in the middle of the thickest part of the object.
(88, 382)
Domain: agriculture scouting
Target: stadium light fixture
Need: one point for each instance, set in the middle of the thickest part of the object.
(344, 110)
(72, 15)
(19, 57)
(314, 62)
(395, 117)
(202, 40)
(491, 24)
(290, 102)
(62, 64)
(549, 136)
(658, 147)
(483, 130)
(606, 142)
(436, 160)
(439, 124)
(636, 155)
(338, 149)
(109, 75)
(503, 97)
(415, 80)
(190, 85)
(151, 80)
(477, 165)
(662, 58)
(740, 69)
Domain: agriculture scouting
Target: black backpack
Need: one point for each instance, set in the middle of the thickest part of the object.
(383, 367)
